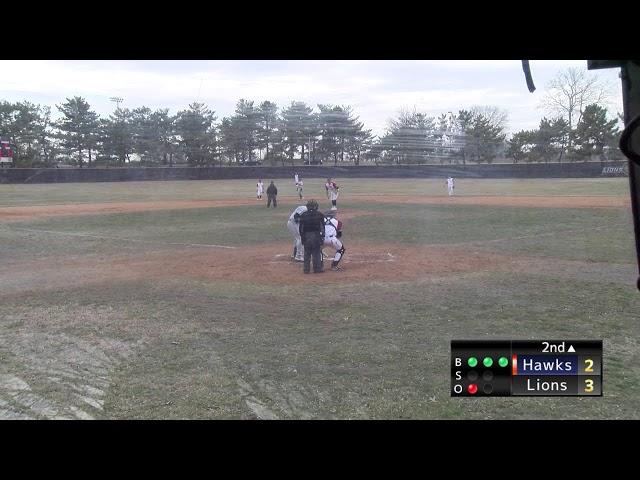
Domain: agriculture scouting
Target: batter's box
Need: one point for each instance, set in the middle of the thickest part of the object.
(348, 258)
(367, 257)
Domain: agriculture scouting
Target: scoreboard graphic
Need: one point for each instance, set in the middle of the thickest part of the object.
(505, 368)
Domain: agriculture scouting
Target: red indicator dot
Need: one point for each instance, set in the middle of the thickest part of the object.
(472, 388)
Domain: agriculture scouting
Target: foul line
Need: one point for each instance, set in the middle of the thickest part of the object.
(105, 237)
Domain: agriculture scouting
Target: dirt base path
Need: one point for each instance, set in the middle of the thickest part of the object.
(577, 201)
(38, 211)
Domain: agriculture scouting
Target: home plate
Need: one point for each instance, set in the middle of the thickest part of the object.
(369, 257)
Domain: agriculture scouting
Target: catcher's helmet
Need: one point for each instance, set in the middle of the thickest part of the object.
(312, 205)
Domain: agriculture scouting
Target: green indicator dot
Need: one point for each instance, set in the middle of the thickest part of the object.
(473, 361)
(488, 361)
(503, 362)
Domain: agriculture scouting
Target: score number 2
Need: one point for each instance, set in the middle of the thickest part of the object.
(589, 365)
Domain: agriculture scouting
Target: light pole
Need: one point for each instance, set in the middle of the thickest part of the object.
(117, 101)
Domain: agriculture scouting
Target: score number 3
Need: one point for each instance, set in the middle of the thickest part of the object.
(588, 383)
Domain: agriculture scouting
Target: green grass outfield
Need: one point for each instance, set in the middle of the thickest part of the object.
(81, 336)
(65, 193)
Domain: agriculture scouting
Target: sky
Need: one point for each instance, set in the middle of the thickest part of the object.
(376, 89)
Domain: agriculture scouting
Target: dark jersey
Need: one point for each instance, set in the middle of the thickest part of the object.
(311, 221)
(272, 190)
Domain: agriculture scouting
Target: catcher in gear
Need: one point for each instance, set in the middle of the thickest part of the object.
(332, 238)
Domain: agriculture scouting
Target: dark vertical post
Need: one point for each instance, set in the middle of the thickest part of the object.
(630, 75)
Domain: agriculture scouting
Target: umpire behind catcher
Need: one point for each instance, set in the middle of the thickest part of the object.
(312, 234)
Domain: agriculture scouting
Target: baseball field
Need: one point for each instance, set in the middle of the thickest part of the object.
(179, 300)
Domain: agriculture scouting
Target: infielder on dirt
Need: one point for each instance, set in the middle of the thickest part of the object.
(293, 225)
(299, 185)
(332, 235)
(332, 193)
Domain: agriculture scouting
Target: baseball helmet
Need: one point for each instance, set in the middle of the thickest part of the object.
(312, 205)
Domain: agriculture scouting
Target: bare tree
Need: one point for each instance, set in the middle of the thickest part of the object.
(571, 91)
(495, 116)
(406, 118)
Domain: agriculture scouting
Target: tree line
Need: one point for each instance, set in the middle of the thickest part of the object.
(579, 129)
(253, 133)
(594, 137)
(476, 135)
(264, 133)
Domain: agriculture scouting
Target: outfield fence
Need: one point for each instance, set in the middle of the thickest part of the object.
(536, 170)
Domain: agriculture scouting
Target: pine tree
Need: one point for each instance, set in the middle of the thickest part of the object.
(247, 123)
(197, 131)
(117, 136)
(521, 145)
(78, 128)
(267, 122)
(298, 125)
(594, 131)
